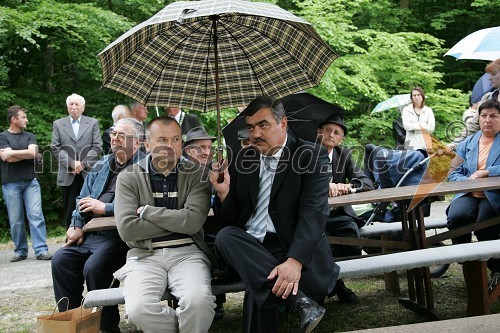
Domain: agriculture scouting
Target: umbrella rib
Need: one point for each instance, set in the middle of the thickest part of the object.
(172, 53)
(271, 38)
(243, 49)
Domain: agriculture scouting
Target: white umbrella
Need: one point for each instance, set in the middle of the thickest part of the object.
(481, 45)
(393, 102)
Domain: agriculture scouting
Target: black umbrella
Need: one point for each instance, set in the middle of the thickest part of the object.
(304, 112)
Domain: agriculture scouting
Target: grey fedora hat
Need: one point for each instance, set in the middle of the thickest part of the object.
(198, 133)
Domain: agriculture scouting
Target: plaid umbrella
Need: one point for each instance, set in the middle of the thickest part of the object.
(212, 54)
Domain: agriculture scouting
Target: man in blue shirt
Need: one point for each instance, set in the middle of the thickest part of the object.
(93, 257)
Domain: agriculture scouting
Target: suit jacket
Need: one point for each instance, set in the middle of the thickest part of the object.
(67, 149)
(345, 169)
(469, 151)
(298, 207)
(189, 122)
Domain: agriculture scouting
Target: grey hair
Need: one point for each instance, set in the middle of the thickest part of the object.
(120, 110)
(75, 96)
(137, 127)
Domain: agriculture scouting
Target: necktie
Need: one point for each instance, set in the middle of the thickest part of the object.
(258, 222)
(330, 170)
(75, 124)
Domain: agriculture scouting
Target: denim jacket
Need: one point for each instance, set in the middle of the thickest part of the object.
(94, 186)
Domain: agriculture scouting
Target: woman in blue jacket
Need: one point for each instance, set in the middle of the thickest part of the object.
(481, 158)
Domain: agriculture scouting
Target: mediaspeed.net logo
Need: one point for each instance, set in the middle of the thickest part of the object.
(442, 161)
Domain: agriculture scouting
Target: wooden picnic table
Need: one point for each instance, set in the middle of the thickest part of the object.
(413, 224)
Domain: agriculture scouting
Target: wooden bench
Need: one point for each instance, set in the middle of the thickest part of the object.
(472, 255)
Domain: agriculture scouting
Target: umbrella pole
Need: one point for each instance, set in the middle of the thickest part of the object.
(217, 101)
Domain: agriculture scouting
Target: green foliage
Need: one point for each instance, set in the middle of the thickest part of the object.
(48, 50)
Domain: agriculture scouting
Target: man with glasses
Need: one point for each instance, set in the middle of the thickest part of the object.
(273, 202)
(93, 257)
(342, 220)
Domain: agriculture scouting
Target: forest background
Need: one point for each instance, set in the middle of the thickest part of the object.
(48, 50)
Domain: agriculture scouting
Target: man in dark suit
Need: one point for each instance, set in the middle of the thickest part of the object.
(76, 144)
(342, 220)
(186, 120)
(273, 201)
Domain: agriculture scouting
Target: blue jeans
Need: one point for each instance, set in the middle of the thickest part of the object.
(19, 195)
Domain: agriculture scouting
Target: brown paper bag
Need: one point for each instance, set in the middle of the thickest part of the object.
(79, 320)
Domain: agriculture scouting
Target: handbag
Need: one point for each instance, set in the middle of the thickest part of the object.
(78, 320)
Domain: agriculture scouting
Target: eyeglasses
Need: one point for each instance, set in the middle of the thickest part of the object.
(120, 136)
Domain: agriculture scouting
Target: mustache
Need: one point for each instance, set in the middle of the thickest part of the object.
(256, 140)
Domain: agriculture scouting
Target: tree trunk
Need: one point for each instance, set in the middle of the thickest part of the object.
(48, 65)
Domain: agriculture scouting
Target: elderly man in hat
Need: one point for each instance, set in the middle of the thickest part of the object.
(198, 149)
(198, 146)
(342, 220)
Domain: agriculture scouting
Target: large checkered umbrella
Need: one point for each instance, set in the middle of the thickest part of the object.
(212, 54)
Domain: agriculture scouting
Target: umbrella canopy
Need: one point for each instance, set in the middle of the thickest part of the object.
(172, 58)
(306, 112)
(393, 102)
(213, 54)
(483, 44)
(481, 87)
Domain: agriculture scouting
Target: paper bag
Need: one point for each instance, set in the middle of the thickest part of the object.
(79, 320)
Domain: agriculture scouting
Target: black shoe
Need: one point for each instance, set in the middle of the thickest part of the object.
(219, 312)
(310, 313)
(344, 294)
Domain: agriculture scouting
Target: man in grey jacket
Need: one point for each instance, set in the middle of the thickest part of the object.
(161, 204)
(76, 144)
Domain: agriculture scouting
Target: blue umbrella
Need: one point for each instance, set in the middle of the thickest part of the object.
(483, 44)
(482, 86)
(393, 102)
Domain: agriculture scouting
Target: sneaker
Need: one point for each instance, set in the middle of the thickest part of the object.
(44, 256)
(494, 281)
(18, 257)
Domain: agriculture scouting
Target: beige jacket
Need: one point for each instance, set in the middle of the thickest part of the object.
(133, 190)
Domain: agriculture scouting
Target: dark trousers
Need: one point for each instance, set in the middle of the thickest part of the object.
(92, 262)
(342, 225)
(69, 194)
(467, 210)
(253, 262)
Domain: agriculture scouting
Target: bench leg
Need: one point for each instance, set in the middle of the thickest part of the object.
(391, 279)
(476, 280)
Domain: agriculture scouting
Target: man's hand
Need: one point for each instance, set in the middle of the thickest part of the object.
(288, 274)
(78, 167)
(221, 188)
(5, 153)
(90, 205)
(74, 235)
(336, 189)
(480, 174)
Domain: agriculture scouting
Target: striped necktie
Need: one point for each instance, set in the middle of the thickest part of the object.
(258, 221)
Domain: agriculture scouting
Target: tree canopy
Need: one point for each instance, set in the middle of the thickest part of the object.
(48, 50)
